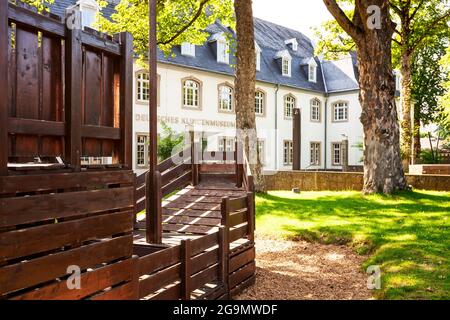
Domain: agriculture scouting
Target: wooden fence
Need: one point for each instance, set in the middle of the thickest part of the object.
(67, 93)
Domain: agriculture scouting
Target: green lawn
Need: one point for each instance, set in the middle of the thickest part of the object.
(407, 235)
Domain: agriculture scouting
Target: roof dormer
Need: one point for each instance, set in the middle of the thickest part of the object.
(188, 49)
(293, 43)
(312, 70)
(88, 9)
(222, 47)
(285, 62)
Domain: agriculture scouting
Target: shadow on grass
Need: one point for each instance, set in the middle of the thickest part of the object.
(407, 234)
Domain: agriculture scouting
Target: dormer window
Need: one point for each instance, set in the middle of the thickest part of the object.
(293, 43)
(223, 52)
(89, 10)
(188, 49)
(258, 57)
(286, 67)
(312, 70)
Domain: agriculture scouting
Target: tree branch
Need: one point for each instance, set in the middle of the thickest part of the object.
(430, 27)
(342, 19)
(416, 10)
(185, 27)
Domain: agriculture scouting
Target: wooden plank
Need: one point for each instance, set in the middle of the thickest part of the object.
(180, 204)
(174, 173)
(212, 222)
(214, 193)
(188, 229)
(20, 243)
(22, 16)
(36, 127)
(205, 213)
(21, 210)
(172, 293)
(153, 215)
(237, 218)
(204, 260)
(99, 132)
(90, 282)
(237, 204)
(242, 274)
(54, 181)
(40, 270)
(100, 44)
(198, 199)
(4, 86)
(159, 260)
(181, 182)
(186, 269)
(121, 292)
(238, 233)
(159, 280)
(206, 242)
(73, 106)
(240, 260)
(126, 100)
(243, 285)
(208, 275)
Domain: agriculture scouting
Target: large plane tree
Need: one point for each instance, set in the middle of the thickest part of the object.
(371, 28)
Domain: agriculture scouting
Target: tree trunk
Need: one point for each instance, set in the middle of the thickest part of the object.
(245, 88)
(406, 98)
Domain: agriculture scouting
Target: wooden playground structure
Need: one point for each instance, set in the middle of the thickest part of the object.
(183, 230)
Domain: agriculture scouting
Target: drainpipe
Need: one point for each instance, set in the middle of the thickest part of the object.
(276, 126)
(325, 133)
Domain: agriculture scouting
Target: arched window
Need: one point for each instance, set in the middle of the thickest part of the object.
(340, 111)
(143, 86)
(289, 105)
(191, 93)
(315, 110)
(225, 98)
(260, 103)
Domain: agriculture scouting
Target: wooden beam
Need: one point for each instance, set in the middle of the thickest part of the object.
(153, 112)
(4, 86)
(36, 127)
(296, 139)
(74, 62)
(126, 100)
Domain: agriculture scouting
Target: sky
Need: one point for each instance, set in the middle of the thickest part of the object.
(300, 15)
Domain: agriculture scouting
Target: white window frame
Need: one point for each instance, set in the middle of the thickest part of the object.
(191, 94)
(260, 102)
(340, 108)
(336, 147)
(226, 103)
(85, 8)
(286, 67)
(316, 109)
(315, 150)
(142, 86)
(142, 148)
(289, 106)
(312, 73)
(288, 152)
(223, 54)
(188, 49)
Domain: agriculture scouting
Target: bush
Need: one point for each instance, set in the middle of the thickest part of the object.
(426, 157)
(168, 141)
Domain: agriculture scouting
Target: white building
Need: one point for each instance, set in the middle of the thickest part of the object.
(196, 92)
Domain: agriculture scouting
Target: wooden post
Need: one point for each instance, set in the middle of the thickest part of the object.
(4, 87)
(224, 208)
(223, 256)
(186, 269)
(74, 62)
(296, 141)
(126, 100)
(153, 212)
(251, 216)
(238, 158)
(135, 277)
(194, 158)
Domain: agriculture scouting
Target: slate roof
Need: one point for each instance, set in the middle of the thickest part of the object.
(339, 75)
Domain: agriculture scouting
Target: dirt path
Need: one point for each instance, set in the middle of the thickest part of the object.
(288, 270)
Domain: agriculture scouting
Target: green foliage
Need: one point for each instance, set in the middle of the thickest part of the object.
(406, 234)
(429, 157)
(177, 21)
(41, 5)
(168, 142)
(444, 101)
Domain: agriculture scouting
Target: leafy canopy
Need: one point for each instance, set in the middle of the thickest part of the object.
(178, 21)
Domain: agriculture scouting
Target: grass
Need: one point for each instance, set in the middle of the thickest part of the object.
(406, 234)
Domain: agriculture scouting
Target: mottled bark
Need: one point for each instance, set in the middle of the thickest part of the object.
(383, 171)
(406, 99)
(245, 88)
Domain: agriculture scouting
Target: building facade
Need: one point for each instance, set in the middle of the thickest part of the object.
(196, 92)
